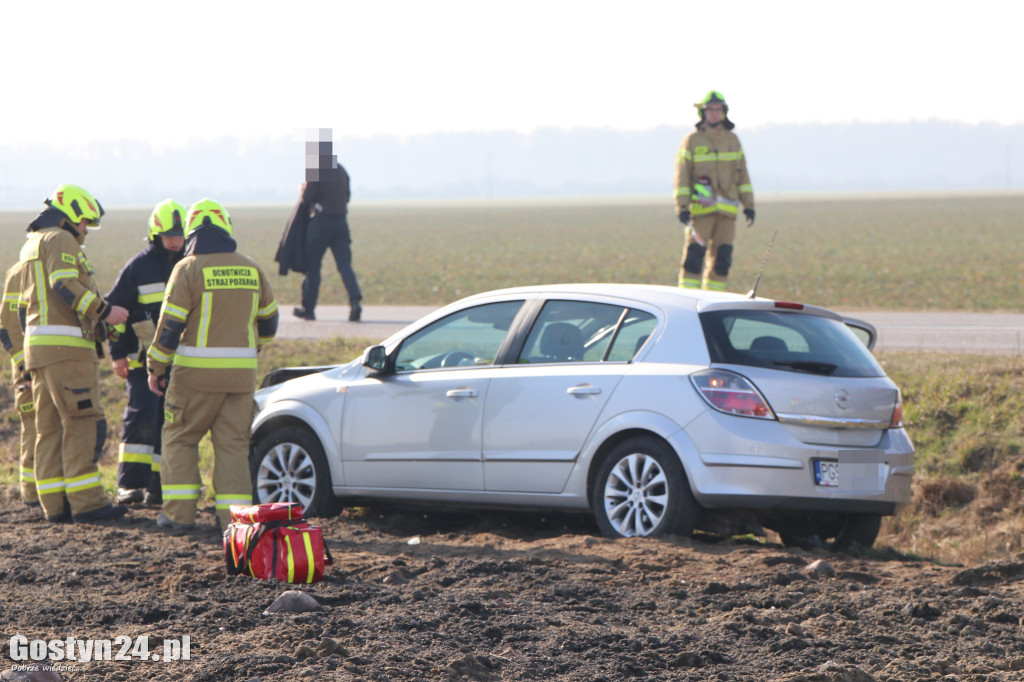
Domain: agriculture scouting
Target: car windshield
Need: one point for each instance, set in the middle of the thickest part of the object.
(790, 341)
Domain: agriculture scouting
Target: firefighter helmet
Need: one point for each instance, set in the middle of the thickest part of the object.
(167, 220)
(713, 97)
(207, 211)
(77, 204)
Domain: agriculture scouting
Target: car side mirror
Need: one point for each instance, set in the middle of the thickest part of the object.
(376, 358)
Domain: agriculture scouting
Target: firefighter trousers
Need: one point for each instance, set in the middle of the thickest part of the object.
(188, 416)
(707, 254)
(67, 401)
(138, 459)
(27, 412)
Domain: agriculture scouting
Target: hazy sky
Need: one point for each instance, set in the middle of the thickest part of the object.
(78, 72)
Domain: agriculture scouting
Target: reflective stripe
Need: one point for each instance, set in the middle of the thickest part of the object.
(252, 319)
(291, 558)
(18, 358)
(715, 285)
(58, 275)
(310, 562)
(268, 310)
(83, 482)
(158, 355)
(682, 191)
(151, 293)
(204, 318)
(217, 352)
(717, 156)
(746, 188)
(215, 363)
(56, 335)
(155, 466)
(135, 452)
(180, 492)
(134, 364)
(39, 277)
(28, 474)
(689, 283)
(175, 311)
(216, 357)
(225, 501)
(54, 330)
(50, 485)
(84, 303)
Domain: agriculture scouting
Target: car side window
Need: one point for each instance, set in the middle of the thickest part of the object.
(467, 338)
(633, 333)
(583, 331)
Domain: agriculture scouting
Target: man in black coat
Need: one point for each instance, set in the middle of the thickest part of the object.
(326, 192)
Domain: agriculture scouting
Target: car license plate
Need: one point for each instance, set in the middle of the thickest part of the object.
(826, 473)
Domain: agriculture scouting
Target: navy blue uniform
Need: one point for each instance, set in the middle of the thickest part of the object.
(139, 287)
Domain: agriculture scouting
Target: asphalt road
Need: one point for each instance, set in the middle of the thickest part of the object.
(998, 333)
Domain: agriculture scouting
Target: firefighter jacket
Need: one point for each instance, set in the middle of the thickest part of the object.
(218, 311)
(12, 337)
(139, 287)
(711, 173)
(64, 309)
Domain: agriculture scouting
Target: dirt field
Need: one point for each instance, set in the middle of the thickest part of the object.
(496, 596)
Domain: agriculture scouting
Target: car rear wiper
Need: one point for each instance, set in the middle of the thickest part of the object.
(809, 366)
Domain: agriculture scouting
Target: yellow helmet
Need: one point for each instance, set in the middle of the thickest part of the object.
(167, 220)
(207, 210)
(77, 204)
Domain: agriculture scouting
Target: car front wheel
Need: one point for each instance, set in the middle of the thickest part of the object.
(641, 490)
(288, 465)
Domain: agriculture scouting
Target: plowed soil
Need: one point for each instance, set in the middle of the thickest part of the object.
(500, 596)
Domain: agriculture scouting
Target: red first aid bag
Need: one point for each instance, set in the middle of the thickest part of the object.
(274, 541)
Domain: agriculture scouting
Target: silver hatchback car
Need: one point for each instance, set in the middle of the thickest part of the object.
(657, 409)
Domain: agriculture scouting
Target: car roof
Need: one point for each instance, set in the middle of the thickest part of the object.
(657, 294)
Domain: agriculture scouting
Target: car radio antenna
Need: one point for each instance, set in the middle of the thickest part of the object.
(753, 292)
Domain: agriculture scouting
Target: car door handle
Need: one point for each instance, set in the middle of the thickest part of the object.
(462, 393)
(584, 389)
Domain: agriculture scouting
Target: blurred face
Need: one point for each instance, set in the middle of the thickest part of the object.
(172, 244)
(714, 113)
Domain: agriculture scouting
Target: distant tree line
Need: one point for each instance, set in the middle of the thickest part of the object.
(784, 158)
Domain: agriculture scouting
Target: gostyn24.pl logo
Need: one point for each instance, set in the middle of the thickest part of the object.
(74, 650)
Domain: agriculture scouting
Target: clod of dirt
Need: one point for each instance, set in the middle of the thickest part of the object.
(831, 672)
(293, 601)
(820, 568)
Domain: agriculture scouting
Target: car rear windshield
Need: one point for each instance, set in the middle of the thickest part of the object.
(789, 341)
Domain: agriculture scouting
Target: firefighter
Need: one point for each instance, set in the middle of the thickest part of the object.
(218, 311)
(140, 288)
(711, 184)
(12, 338)
(64, 331)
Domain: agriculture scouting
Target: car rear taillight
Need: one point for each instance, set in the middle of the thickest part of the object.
(788, 305)
(731, 393)
(897, 413)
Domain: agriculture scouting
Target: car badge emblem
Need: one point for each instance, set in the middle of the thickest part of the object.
(842, 399)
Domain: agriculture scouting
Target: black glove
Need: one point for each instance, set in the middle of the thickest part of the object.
(684, 216)
(749, 212)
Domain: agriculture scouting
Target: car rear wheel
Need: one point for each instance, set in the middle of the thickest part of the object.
(845, 532)
(641, 490)
(288, 465)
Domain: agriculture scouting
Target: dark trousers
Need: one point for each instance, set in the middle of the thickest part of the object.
(138, 464)
(328, 232)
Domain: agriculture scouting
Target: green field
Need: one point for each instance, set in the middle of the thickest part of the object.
(900, 253)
